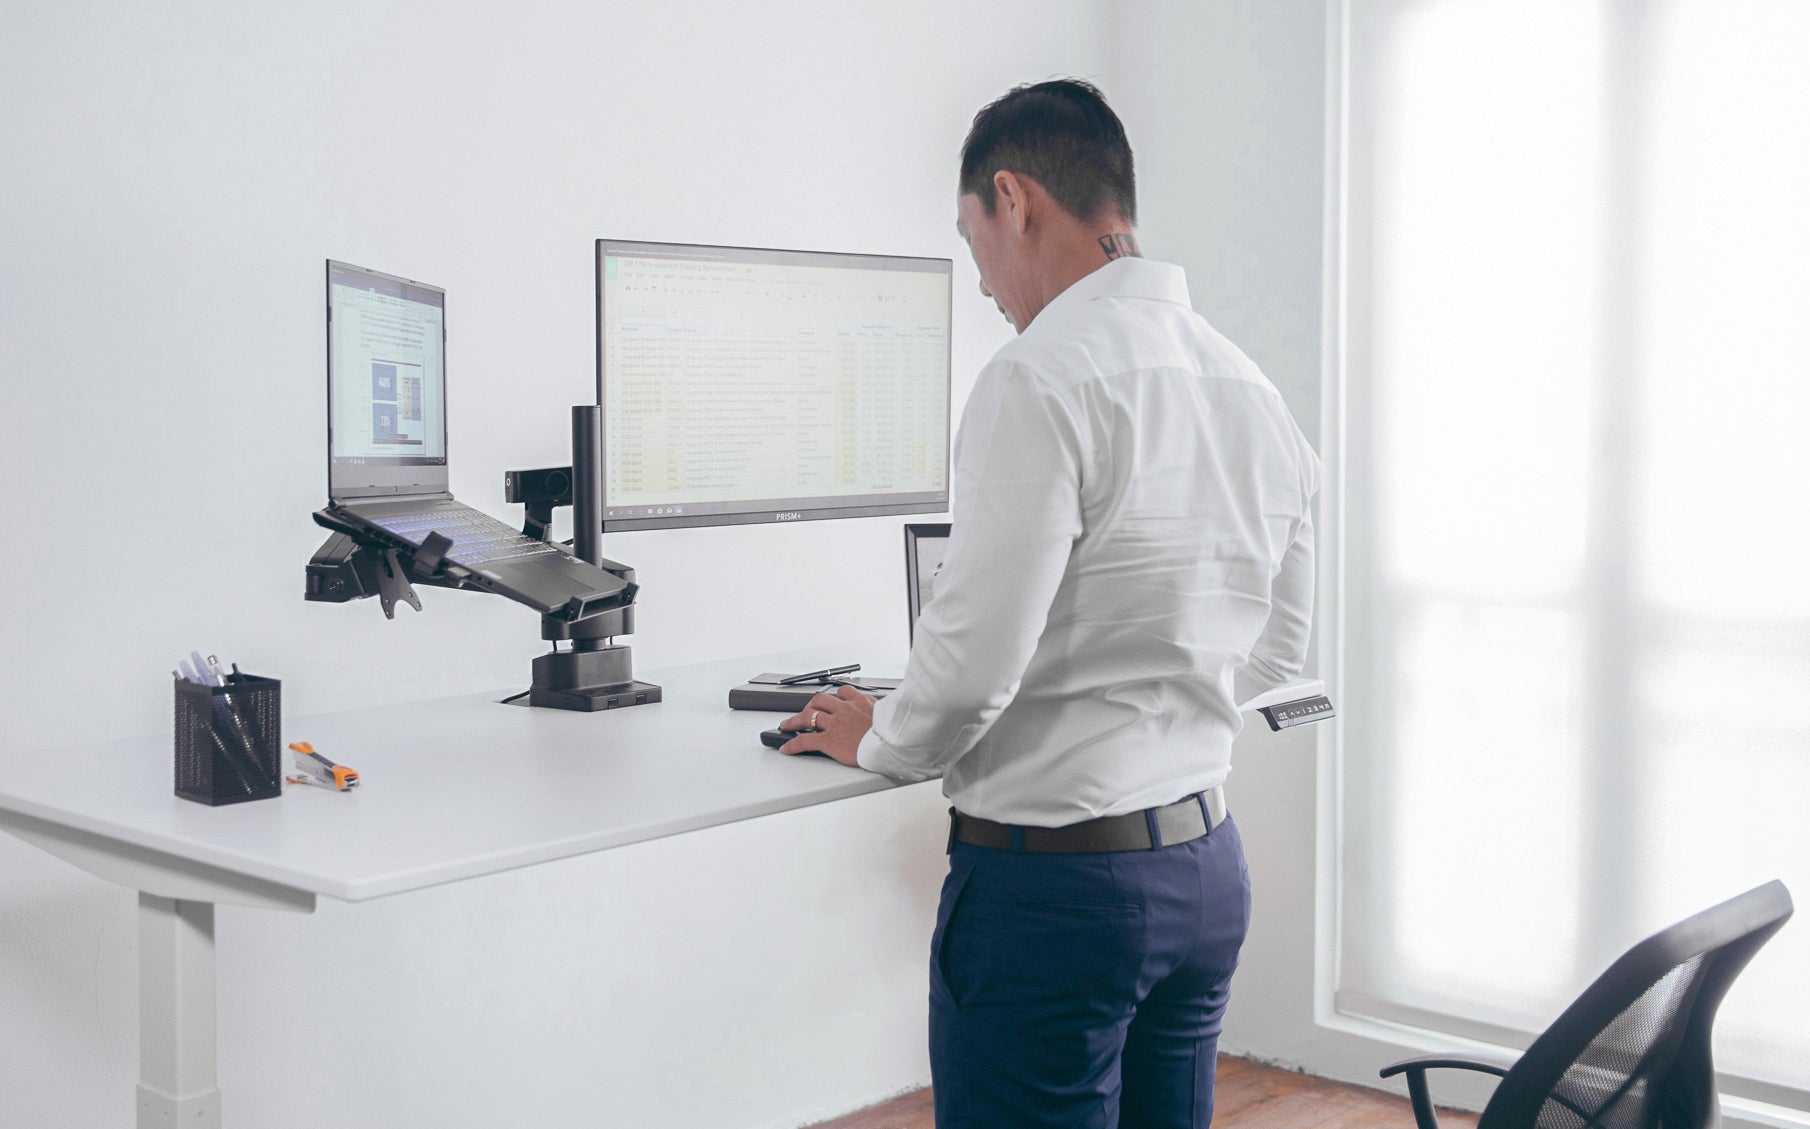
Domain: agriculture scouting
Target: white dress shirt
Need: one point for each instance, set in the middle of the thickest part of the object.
(1131, 554)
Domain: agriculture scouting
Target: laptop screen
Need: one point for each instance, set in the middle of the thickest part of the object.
(386, 385)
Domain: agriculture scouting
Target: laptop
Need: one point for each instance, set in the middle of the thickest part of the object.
(387, 470)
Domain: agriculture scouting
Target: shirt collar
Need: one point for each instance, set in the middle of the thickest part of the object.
(1121, 278)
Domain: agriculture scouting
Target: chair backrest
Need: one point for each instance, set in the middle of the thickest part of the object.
(1633, 1052)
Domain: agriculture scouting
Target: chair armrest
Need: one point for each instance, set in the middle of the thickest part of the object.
(1416, 1069)
(1422, 1063)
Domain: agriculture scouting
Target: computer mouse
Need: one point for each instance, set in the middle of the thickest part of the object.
(774, 738)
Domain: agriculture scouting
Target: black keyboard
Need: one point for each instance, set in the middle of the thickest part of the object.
(477, 538)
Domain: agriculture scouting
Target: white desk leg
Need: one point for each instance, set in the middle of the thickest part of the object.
(178, 1086)
(178, 1082)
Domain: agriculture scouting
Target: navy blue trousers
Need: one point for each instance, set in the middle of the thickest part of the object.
(1084, 991)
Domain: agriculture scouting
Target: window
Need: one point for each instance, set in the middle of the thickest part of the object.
(1577, 603)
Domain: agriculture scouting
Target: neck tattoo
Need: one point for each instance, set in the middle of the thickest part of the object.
(1120, 245)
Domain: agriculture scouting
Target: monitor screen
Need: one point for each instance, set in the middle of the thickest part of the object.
(386, 383)
(746, 385)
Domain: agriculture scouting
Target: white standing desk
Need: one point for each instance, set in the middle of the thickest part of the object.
(450, 789)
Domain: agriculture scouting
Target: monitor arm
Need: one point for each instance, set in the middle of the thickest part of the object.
(353, 564)
(595, 672)
(540, 492)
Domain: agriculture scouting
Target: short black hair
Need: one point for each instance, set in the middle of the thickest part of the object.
(1062, 135)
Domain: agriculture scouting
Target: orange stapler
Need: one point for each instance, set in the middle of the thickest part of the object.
(316, 769)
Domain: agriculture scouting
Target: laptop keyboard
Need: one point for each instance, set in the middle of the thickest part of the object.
(477, 538)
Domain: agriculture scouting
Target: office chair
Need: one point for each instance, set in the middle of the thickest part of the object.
(1632, 1052)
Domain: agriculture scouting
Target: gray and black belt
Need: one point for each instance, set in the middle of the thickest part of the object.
(1185, 819)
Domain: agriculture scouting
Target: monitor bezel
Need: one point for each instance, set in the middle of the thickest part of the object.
(778, 510)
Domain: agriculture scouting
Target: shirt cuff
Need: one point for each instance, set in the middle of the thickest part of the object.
(875, 755)
(870, 752)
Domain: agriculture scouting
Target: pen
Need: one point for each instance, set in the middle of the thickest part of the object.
(820, 675)
(204, 674)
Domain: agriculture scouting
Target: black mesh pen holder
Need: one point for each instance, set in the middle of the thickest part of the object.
(229, 740)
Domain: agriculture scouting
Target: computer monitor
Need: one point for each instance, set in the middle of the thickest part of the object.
(745, 385)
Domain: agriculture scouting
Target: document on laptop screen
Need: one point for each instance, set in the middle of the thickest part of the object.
(389, 377)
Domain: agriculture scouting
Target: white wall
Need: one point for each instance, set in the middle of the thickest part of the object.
(173, 177)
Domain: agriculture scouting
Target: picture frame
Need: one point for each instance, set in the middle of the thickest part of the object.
(925, 543)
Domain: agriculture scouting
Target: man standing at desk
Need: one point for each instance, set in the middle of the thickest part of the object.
(1131, 556)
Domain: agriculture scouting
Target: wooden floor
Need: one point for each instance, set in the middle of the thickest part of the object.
(1247, 1095)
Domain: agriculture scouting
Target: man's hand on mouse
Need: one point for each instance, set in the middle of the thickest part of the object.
(843, 719)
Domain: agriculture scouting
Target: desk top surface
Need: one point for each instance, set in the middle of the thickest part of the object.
(453, 788)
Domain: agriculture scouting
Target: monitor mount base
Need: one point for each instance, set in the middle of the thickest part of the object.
(596, 673)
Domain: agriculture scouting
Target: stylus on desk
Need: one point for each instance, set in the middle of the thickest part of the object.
(820, 675)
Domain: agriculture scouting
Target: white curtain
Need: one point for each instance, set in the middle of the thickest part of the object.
(1577, 505)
